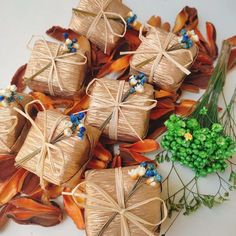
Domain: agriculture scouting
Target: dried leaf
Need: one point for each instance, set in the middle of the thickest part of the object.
(166, 26)
(18, 78)
(232, 40)
(31, 184)
(3, 217)
(146, 145)
(165, 94)
(130, 158)
(78, 105)
(7, 168)
(27, 211)
(190, 88)
(101, 153)
(119, 65)
(185, 107)
(46, 100)
(187, 19)
(157, 132)
(232, 59)
(155, 21)
(96, 164)
(74, 212)
(211, 36)
(159, 113)
(12, 186)
(116, 162)
(132, 38)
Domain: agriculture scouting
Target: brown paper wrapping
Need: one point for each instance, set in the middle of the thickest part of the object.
(105, 179)
(76, 152)
(81, 22)
(71, 75)
(138, 119)
(13, 139)
(167, 75)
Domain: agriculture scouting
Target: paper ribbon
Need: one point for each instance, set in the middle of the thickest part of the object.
(45, 144)
(103, 14)
(53, 59)
(7, 131)
(159, 50)
(116, 105)
(108, 204)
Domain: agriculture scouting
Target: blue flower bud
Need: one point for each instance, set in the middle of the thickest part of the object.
(80, 115)
(73, 118)
(82, 129)
(150, 173)
(143, 164)
(65, 35)
(73, 50)
(80, 135)
(74, 40)
(2, 98)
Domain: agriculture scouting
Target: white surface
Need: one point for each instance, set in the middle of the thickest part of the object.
(19, 19)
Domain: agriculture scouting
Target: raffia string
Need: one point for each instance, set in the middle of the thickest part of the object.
(52, 63)
(155, 48)
(105, 15)
(108, 204)
(7, 131)
(45, 144)
(116, 105)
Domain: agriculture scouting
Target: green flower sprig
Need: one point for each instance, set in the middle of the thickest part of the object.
(204, 150)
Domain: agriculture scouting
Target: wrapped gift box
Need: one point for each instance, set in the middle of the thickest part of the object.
(168, 70)
(56, 161)
(130, 119)
(53, 71)
(101, 21)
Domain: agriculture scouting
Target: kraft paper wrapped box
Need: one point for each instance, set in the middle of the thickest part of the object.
(129, 119)
(160, 58)
(53, 71)
(50, 154)
(107, 194)
(103, 22)
(13, 126)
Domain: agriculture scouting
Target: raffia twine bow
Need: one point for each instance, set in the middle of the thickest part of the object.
(106, 16)
(7, 131)
(108, 204)
(52, 62)
(46, 145)
(158, 51)
(116, 104)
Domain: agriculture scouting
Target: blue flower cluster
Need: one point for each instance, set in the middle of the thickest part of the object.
(77, 125)
(151, 171)
(70, 45)
(131, 19)
(137, 83)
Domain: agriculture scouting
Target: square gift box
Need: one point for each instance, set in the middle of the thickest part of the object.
(54, 71)
(161, 58)
(50, 154)
(103, 22)
(129, 119)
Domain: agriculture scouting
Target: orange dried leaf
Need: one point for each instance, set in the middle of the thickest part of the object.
(96, 164)
(157, 132)
(18, 79)
(116, 162)
(46, 100)
(147, 145)
(160, 112)
(155, 21)
(185, 107)
(27, 211)
(232, 59)
(119, 65)
(12, 186)
(232, 40)
(190, 88)
(211, 36)
(7, 168)
(3, 217)
(165, 94)
(187, 18)
(166, 26)
(101, 153)
(74, 212)
(78, 105)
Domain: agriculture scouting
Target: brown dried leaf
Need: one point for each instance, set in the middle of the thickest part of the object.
(7, 168)
(18, 79)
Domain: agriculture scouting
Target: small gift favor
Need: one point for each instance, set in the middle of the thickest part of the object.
(164, 57)
(103, 22)
(13, 126)
(122, 201)
(55, 68)
(121, 111)
(57, 146)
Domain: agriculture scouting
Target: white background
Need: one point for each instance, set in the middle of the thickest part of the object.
(19, 19)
